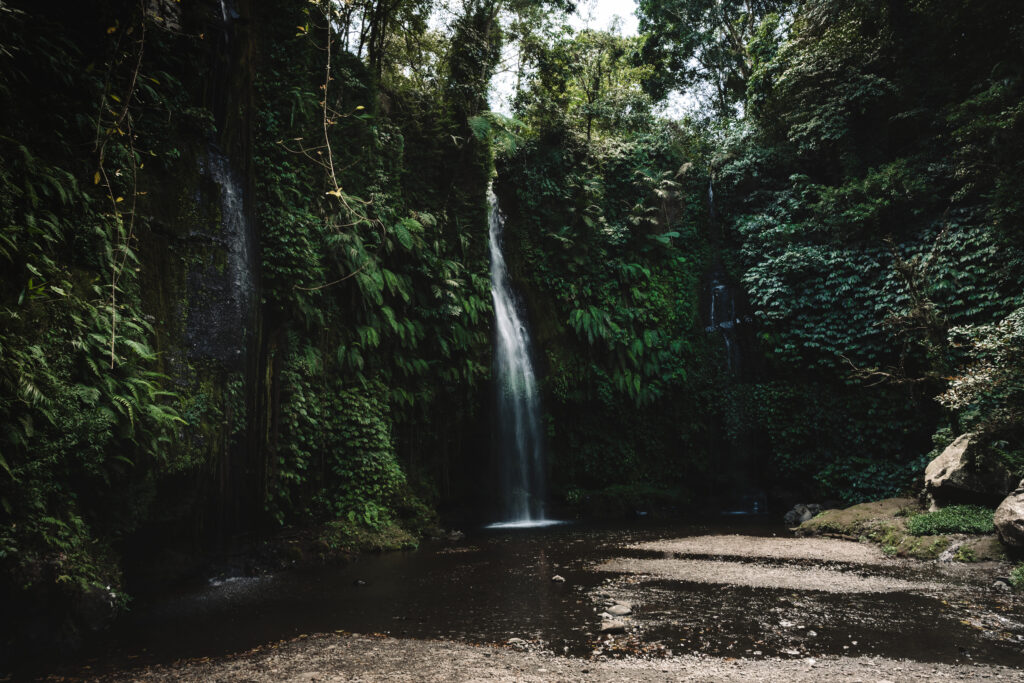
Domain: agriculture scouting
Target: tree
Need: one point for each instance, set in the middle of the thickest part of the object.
(704, 44)
(589, 82)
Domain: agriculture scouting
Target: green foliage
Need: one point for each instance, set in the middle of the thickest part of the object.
(851, 445)
(1017, 577)
(707, 47)
(873, 246)
(377, 287)
(335, 457)
(603, 239)
(86, 416)
(590, 83)
(965, 554)
(955, 519)
(989, 395)
(502, 132)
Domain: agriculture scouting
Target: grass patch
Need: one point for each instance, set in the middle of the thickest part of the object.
(965, 554)
(955, 519)
(1017, 577)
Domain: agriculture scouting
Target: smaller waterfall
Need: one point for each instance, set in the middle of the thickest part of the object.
(238, 236)
(711, 199)
(722, 319)
(722, 316)
(222, 278)
(520, 442)
(735, 483)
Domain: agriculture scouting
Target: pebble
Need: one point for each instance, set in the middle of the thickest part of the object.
(558, 579)
(517, 643)
(613, 626)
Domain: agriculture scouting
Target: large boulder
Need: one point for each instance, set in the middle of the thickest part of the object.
(955, 478)
(1009, 518)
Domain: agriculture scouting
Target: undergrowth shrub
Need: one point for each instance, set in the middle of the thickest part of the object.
(955, 519)
(1017, 577)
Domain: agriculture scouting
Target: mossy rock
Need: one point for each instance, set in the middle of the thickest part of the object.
(864, 520)
(984, 549)
(883, 522)
(918, 547)
(344, 536)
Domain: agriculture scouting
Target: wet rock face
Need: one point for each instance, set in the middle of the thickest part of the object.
(953, 478)
(222, 277)
(1009, 518)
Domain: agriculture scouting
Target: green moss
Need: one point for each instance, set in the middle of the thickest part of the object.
(346, 535)
(867, 519)
(985, 549)
(965, 554)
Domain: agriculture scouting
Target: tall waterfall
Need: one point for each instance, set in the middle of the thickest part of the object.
(520, 443)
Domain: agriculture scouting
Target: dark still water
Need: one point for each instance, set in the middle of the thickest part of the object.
(497, 584)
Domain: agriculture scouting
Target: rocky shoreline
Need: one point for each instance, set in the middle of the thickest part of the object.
(345, 657)
(712, 607)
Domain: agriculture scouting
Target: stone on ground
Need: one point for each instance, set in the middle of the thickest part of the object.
(953, 477)
(1009, 518)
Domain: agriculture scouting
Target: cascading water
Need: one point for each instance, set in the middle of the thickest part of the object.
(519, 439)
(722, 319)
(736, 481)
(711, 199)
(722, 316)
(223, 299)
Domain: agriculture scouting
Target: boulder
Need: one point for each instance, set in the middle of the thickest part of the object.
(619, 610)
(953, 478)
(801, 513)
(1009, 518)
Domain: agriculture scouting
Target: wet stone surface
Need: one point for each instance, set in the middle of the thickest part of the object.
(739, 621)
(495, 586)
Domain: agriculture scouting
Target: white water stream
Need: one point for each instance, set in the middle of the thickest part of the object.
(518, 407)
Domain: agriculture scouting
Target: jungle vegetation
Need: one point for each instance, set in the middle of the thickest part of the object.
(245, 278)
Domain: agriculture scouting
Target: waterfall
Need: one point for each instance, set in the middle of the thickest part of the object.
(222, 284)
(735, 441)
(711, 199)
(520, 445)
(722, 316)
(723, 320)
(238, 238)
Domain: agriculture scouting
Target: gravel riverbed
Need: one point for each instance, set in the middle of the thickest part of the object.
(700, 607)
